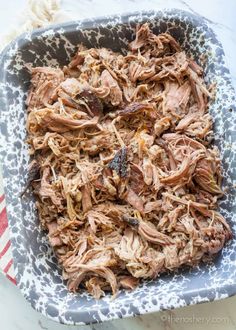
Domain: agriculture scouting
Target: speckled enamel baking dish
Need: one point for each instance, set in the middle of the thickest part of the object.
(38, 275)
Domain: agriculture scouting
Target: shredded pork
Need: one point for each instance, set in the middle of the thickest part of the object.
(125, 179)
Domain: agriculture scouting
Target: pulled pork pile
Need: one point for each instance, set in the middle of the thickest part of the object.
(125, 180)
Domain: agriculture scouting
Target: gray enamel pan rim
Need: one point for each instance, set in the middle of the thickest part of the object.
(37, 273)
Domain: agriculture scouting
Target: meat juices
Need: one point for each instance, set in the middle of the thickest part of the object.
(125, 180)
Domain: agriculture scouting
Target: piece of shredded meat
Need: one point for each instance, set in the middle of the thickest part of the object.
(125, 179)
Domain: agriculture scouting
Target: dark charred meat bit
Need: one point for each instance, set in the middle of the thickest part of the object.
(33, 174)
(125, 179)
(131, 220)
(119, 162)
(94, 104)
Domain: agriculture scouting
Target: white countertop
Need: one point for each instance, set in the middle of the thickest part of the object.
(16, 313)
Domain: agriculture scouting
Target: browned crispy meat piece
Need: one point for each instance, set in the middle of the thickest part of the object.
(92, 103)
(125, 179)
(136, 179)
(135, 108)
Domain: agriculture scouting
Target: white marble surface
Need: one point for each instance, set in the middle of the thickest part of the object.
(15, 312)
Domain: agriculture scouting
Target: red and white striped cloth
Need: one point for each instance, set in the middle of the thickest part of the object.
(6, 260)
